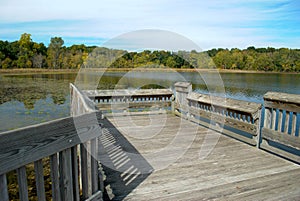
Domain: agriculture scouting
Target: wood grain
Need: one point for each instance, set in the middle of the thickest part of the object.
(39, 178)
(22, 182)
(288, 140)
(3, 188)
(22, 146)
(232, 171)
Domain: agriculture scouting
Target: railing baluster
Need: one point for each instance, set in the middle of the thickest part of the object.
(75, 173)
(66, 175)
(39, 177)
(280, 116)
(84, 175)
(94, 165)
(22, 181)
(3, 188)
(267, 121)
(294, 123)
(287, 120)
(273, 119)
(55, 177)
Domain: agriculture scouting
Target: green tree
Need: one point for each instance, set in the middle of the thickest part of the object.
(25, 51)
(54, 51)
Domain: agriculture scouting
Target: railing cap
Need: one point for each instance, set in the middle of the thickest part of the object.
(182, 84)
(226, 103)
(282, 97)
(128, 92)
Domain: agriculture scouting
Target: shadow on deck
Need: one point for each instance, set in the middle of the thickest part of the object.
(232, 171)
(124, 166)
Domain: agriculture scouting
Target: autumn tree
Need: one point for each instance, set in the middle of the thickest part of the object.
(25, 51)
(54, 51)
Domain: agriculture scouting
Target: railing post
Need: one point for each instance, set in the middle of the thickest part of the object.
(182, 91)
(258, 128)
(3, 188)
(173, 104)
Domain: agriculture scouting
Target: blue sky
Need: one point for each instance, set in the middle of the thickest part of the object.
(210, 24)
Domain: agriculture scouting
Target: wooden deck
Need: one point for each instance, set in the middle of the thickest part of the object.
(139, 165)
(145, 152)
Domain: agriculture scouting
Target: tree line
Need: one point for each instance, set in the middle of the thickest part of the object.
(26, 53)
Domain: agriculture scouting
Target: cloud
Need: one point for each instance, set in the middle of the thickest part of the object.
(214, 23)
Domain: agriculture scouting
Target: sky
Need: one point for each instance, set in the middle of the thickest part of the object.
(210, 24)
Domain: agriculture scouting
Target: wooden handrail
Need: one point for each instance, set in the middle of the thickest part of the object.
(122, 101)
(281, 125)
(22, 146)
(228, 104)
(225, 112)
(54, 139)
(68, 144)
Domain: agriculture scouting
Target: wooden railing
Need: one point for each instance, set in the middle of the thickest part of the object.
(55, 144)
(281, 125)
(129, 101)
(215, 112)
(70, 144)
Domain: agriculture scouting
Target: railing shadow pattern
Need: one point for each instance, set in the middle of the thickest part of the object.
(125, 168)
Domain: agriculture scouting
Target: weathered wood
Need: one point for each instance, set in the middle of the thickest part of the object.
(80, 103)
(267, 120)
(22, 182)
(75, 174)
(97, 196)
(289, 105)
(238, 124)
(39, 178)
(294, 124)
(101, 177)
(257, 124)
(66, 175)
(237, 136)
(283, 101)
(3, 188)
(125, 94)
(182, 91)
(280, 117)
(55, 177)
(84, 173)
(287, 120)
(238, 106)
(89, 167)
(142, 113)
(265, 145)
(22, 146)
(245, 172)
(94, 165)
(129, 105)
(273, 123)
(281, 138)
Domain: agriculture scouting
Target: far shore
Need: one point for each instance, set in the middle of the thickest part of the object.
(57, 71)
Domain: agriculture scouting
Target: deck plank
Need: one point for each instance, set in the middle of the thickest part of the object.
(232, 171)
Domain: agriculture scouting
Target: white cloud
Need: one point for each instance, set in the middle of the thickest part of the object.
(213, 22)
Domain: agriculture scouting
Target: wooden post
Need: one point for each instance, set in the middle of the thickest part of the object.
(267, 120)
(3, 188)
(173, 104)
(258, 129)
(182, 91)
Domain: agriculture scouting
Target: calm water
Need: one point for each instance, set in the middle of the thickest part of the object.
(31, 99)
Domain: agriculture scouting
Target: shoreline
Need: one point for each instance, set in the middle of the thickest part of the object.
(65, 71)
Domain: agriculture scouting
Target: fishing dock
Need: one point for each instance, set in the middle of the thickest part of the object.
(159, 144)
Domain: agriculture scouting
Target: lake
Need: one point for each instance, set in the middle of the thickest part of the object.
(31, 99)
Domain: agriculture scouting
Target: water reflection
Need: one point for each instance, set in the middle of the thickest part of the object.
(241, 86)
(31, 99)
